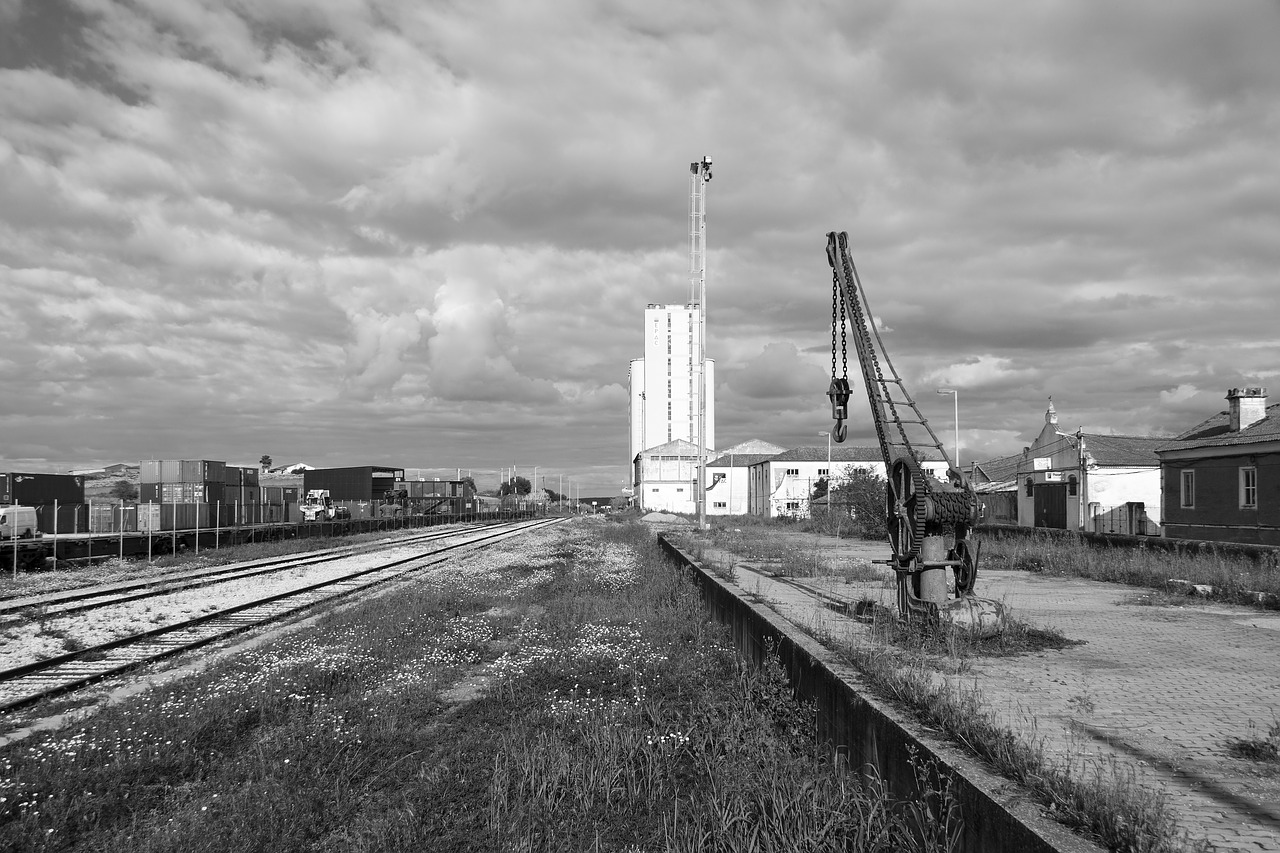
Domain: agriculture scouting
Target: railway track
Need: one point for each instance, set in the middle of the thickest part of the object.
(81, 599)
(24, 685)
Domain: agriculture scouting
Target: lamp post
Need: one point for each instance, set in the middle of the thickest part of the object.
(828, 495)
(828, 435)
(955, 397)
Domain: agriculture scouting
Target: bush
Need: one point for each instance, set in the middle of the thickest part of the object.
(859, 498)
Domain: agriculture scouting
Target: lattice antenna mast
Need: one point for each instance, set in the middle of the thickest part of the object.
(699, 177)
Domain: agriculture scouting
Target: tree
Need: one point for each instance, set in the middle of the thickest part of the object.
(861, 494)
(819, 489)
(469, 483)
(515, 486)
(124, 490)
(265, 462)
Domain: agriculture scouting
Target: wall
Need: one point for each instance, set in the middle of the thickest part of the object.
(876, 739)
(1113, 487)
(1217, 515)
(668, 497)
(668, 378)
(731, 491)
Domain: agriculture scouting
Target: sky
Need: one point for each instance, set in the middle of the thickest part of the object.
(347, 232)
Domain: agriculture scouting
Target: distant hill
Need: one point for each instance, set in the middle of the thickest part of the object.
(295, 468)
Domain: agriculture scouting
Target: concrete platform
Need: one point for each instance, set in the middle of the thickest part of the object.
(1156, 691)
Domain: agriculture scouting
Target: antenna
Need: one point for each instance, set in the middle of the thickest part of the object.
(699, 177)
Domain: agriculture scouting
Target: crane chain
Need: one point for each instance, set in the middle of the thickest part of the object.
(952, 507)
(860, 331)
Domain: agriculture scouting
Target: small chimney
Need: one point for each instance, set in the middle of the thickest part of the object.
(1248, 406)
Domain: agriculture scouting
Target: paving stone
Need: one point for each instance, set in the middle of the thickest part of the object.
(1155, 691)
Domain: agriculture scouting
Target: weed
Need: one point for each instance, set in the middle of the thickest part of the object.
(1255, 748)
(72, 644)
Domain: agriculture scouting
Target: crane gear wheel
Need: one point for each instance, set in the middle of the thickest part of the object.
(967, 572)
(908, 508)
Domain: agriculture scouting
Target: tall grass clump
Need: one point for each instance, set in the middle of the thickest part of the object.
(1222, 576)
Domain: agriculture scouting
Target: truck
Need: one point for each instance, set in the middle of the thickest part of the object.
(22, 545)
(318, 506)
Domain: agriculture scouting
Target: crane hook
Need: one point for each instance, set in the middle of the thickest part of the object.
(839, 394)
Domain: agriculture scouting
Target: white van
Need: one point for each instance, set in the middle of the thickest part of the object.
(19, 521)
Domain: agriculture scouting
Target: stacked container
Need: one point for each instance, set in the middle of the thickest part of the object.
(242, 493)
(184, 488)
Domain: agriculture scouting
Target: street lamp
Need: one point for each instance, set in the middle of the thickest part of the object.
(955, 396)
(828, 435)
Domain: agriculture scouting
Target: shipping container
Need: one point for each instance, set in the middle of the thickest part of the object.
(113, 518)
(39, 489)
(279, 494)
(181, 493)
(182, 471)
(184, 516)
(250, 477)
(148, 517)
(71, 518)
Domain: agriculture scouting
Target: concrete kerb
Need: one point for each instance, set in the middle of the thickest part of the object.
(879, 741)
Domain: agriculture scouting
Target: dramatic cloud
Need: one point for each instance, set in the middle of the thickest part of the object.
(424, 234)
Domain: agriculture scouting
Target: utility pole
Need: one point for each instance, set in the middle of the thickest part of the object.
(699, 177)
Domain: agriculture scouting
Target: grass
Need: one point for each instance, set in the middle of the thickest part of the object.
(1264, 748)
(1228, 578)
(903, 663)
(943, 641)
(608, 715)
(1103, 800)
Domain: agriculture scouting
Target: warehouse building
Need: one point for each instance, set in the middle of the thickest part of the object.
(360, 483)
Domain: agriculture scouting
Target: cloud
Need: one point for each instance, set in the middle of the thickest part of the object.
(226, 223)
(779, 372)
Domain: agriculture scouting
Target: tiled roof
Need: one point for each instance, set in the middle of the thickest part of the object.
(739, 460)
(843, 454)
(1216, 432)
(1001, 468)
(754, 445)
(1123, 449)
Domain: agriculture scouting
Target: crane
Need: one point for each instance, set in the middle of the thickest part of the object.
(929, 521)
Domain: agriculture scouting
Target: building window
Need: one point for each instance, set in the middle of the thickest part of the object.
(822, 472)
(1189, 489)
(720, 505)
(655, 491)
(1073, 486)
(680, 489)
(793, 505)
(1248, 488)
(793, 472)
(1030, 486)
